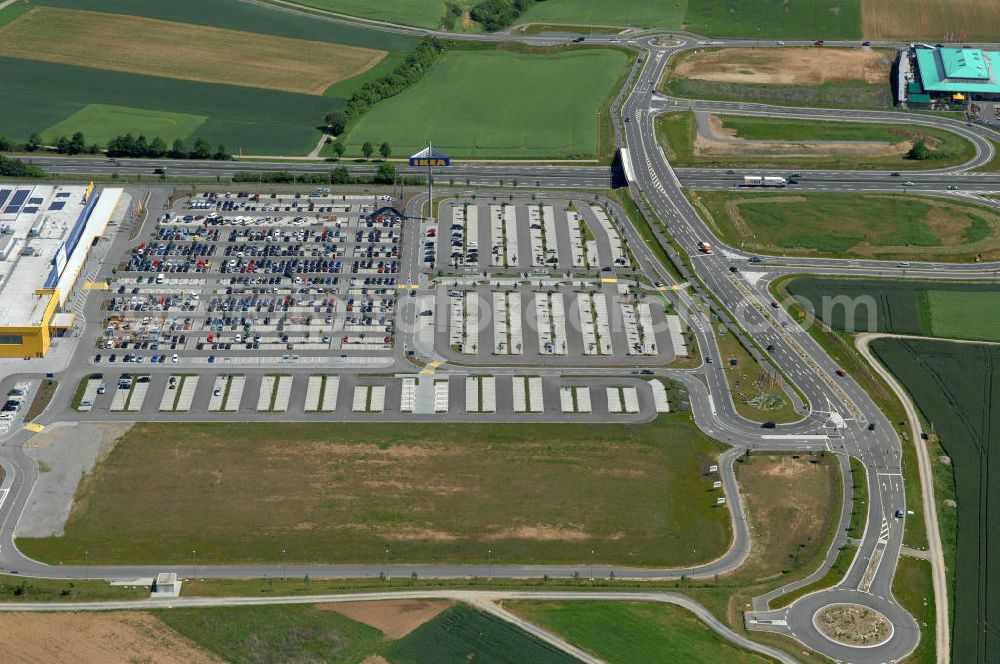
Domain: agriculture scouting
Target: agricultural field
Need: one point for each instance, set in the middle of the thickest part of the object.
(247, 17)
(834, 77)
(292, 633)
(465, 634)
(160, 48)
(40, 95)
(631, 13)
(772, 19)
(11, 12)
(932, 20)
(942, 309)
(96, 638)
(499, 105)
(957, 389)
(421, 13)
(885, 226)
(628, 632)
(732, 141)
(433, 493)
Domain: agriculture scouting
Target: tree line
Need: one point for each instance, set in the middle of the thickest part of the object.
(386, 174)
(15, 168)
(125, 145)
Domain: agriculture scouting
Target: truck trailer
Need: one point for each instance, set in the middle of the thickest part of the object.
(764, 181)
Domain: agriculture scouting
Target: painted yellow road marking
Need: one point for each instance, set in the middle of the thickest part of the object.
(609, 280)
(37, 428)
(429, 369)
(96, 285)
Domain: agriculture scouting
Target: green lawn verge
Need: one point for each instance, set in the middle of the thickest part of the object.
(758, 395)
(885, 226)
(10, 12)
(628, 632)
(78, 395)
(430, 492)
(21, 589)
(42, 398)
(631, 13)
(859, 513)
(913, 588)
(840, 566)
(289, 633)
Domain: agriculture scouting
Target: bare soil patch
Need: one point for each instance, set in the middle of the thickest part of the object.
(784, 66)
(184, 51)
(394, 618)
(95, 638)
(965, 20)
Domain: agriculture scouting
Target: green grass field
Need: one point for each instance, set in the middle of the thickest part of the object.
(499, 105)
(290, 633)
(637, 13)
(629, 632)
(102, 122)
(422, 13)
(775, 19)
(957, 389)
(464, 634)
(951, 310)
(39, 95)
(248, 17)
(633, 494)
(9, 13)
(888, 226)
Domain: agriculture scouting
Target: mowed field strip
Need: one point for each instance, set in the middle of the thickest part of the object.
(102, 122)
(175, 50)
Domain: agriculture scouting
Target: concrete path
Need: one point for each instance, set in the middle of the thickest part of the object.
(480, 599)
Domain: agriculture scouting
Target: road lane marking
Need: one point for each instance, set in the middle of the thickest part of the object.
(37, 428)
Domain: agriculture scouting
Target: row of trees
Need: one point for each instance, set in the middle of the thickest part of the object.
(498, 14)
(386, 174)
(121, 146)
(404, 75)
(367, 149)
(132, 146)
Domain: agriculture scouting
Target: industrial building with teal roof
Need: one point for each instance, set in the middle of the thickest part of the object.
(957, 71)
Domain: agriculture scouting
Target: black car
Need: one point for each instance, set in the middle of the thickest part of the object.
(871, 426)
(768, 425)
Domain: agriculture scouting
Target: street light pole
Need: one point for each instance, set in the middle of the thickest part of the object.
(489, 563)
(387, 563)
(194, 563)
(284, 566)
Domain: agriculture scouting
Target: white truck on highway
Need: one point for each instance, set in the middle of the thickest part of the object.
(764, 181)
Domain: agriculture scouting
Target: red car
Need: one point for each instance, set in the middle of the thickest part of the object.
(841, 372)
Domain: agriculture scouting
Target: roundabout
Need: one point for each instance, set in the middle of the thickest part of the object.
(853, 625)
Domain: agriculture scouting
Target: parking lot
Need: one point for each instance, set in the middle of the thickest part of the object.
(240, 274)
(165, 395)
(240, 305)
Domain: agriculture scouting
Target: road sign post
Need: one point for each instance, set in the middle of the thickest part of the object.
(430, 158)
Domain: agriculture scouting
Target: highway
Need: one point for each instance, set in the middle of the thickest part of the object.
(838, 415)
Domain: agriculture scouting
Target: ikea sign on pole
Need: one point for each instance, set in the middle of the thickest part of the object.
(430, 161)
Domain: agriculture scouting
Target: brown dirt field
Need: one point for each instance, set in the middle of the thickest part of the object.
(164, 48)
(790, 502)
(95, 638)
(784, 66)
(375, 659)
(935, 20)
(394, 618)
